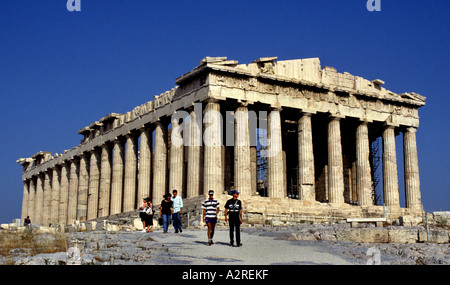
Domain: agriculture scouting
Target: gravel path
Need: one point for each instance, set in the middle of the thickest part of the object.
(190, 247)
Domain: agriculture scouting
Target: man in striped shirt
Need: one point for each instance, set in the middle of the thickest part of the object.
(210, 210)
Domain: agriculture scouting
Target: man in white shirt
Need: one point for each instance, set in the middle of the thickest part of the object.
(177, 216)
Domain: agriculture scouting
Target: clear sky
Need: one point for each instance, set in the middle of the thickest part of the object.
(61, 70)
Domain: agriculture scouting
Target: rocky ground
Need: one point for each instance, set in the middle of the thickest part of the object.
(261, 246)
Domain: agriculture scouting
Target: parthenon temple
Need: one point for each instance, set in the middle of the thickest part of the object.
(295, 139)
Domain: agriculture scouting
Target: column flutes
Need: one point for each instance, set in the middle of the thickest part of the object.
(129, 196)
(83, 188)
(305, 158)
(39, 201)
(335, 163)
(47, 199)
(176, 157)
(411, 165)
(31, 199)
(94, 181)
(363, 172)
(160, 163)
(390, 174)
(194, 175)
(64, 192)
(117, 178)
(105, 181)
(56, 188)
(212, 139)
(25, 200)
(242, 166)
(275, 168)
(145, 164)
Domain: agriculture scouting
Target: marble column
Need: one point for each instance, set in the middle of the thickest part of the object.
(363, 171)
(94, 181)
(242, 161)
(411, 165)
(64, 193)
(159, 163)
(83, 188)
(390, 174)
(32, 199)
(276, 187)
(306, 173)
(25, 200)
(129, 194)
(253, 170)
(212, 140)
(117, 178)
(335, 163)
(56, 188)
(145, 164)
(39, 200)
(195, 155)
(176, 162)
(105, 181)
(47, 199)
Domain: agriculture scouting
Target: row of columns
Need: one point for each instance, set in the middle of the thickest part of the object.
(109, 181)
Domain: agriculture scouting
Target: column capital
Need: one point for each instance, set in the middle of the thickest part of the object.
(308, 113)
(411, 129)
(336, 116)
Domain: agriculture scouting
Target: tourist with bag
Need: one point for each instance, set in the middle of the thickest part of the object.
(233, 208)
(166, 211)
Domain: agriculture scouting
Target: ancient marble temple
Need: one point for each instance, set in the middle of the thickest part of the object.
(316, 129)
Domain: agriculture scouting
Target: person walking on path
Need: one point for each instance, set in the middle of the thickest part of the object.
(233, 208)
(210, 211)
(166, 211)
(177, 216)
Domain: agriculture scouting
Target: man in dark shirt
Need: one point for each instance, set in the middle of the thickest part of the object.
(233, 207)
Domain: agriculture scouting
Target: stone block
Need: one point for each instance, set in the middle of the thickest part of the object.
(137, 223)
(402, 235)
(363, 235)
(434, 236)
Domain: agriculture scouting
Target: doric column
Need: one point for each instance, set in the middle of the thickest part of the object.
(194, 162)
(411, 165)
(56, 188)
(176, 157)
(306, 174)
(335, 164)
(390, 174)
(145, 164)
(83, 188)
(39, 200)
(73, 191)
(242, 166)
(94, 181)
(64, 192)
(160, 163)
(25, 200)
(105, 181)
(212, 140)
(275, 168)
(117, 178)
(31, 199)
(363, 172)
(129, 195)
(253, 170)
(47, 199)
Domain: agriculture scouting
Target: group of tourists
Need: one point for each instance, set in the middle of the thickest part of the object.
(171, 210)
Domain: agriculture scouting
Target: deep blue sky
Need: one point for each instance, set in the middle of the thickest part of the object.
(61, 71)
